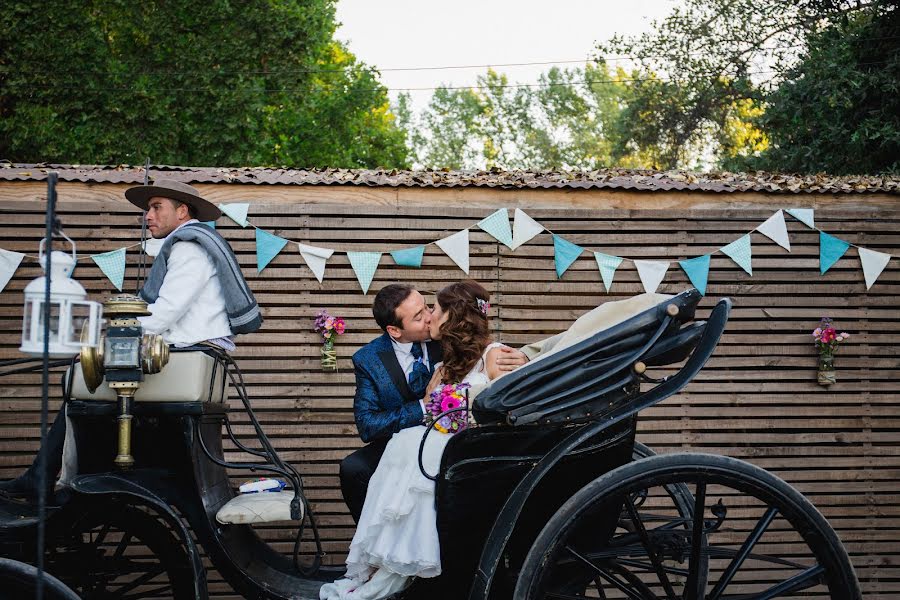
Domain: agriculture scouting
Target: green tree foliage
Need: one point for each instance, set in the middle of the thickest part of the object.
(183, 82)
(838, 110)
(570, 119)
(727, 64)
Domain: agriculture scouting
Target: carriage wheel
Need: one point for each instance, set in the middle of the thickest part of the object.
(758, 537)
(119, 551)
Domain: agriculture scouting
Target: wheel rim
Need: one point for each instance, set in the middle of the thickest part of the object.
(756, 538)
(119, 552)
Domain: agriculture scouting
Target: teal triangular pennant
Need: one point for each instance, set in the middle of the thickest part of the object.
(739, 251)
(113, 266)
(364, 265)
(607, 264)
(804, 215)
(564, 254)
(409, 257)
(268, 246)
(831, 249)
(697, 270)
(209, 223)
(497, 224)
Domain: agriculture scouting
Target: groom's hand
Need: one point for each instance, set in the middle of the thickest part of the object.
(510, 359)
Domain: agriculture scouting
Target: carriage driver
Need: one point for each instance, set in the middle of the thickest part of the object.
(195, 291)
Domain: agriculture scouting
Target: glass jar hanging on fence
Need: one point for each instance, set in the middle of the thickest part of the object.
(329, 328)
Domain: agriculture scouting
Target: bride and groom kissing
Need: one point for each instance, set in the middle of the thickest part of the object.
(388, 497)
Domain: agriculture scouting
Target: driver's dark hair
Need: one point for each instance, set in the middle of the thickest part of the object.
(386, 302)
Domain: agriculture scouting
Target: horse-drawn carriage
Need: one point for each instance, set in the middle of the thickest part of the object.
(550, 496)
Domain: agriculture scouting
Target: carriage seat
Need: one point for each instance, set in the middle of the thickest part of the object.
(188, 377)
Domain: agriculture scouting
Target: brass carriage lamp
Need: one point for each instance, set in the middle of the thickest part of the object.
(74, 320)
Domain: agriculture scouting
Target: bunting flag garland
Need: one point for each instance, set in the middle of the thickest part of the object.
(739, 251)
(804, 215)
(873, 263)
(364, 265)
(113, 266)
(315, 258)
(456, 247)
(651, 273)
(607, 265)
(9, 262)
(409, 257)
(697, 270)
(236, 212)
(497, 224)
(775, 229)
(268, 246)
(524, 228)
(831, 249)
(564, 254)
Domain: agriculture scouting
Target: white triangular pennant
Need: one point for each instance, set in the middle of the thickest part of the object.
(651, 273)
(775, 229)
(873, 263)
(524, 228)
(456, 247)
(315, 259)
(804, 215)
(9, 262)
(237, 212)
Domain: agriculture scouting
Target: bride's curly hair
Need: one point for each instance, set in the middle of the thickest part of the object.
(465, 333)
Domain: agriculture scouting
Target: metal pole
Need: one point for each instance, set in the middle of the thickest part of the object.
(45, 382)
(143, 260)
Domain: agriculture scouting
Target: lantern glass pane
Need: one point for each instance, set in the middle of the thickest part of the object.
(54, 320)
(122, 352)
(81, 315)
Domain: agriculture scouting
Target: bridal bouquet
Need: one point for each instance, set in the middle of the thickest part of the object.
(329, 327)
(444, 398)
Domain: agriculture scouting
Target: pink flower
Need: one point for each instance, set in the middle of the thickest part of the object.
(449, 404)
(817, 333)
(828, 335)
(845, 334)
(339, 326)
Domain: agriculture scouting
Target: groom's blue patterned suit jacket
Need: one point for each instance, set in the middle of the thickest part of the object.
(384, 404)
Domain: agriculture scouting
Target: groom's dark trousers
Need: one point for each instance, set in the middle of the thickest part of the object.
(382, 406)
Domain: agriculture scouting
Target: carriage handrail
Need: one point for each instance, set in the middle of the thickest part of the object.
(428, 429)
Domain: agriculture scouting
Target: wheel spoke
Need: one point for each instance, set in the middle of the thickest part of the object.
(807, 578)
(123, 543)
(603, 574)
(691, 590)
(645, 540)
(127, 587)
(743, 553)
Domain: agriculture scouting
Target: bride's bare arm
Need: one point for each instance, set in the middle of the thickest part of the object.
(494, 368)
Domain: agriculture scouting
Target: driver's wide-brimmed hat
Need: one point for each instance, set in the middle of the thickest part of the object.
(169, 188)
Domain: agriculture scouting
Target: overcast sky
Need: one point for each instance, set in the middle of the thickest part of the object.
(392, 34)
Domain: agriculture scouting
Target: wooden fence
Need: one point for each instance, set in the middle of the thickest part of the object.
(757, 399)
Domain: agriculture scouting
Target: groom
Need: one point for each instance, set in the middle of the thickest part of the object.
(392, 372)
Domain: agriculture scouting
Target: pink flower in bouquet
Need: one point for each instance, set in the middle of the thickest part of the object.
(827, 337)
(817, 332)
(449, 403)
(339, 326)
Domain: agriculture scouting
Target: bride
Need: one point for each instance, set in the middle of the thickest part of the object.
(396, 538)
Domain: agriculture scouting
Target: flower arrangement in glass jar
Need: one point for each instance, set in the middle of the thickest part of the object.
(444, 398)
(329, 328)
(827, 341)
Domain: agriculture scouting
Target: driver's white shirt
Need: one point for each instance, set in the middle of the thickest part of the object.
(190, 307)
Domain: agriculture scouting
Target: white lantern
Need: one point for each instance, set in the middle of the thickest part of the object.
(74, 321)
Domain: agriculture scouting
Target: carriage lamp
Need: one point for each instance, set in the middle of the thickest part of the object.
(74, 321)
(124, 357)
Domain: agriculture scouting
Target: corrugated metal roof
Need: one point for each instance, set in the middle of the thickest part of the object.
(623, 179)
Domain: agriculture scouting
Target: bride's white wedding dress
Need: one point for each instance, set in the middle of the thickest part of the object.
(397, 537)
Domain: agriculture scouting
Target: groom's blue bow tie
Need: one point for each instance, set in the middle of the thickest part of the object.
(420, 375)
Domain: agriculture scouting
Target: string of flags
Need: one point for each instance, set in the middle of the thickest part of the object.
(523, 229)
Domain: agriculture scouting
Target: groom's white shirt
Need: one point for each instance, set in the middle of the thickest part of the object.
(403, 350)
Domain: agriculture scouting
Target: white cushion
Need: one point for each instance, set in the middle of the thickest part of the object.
(261, 507)
(185, 378)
